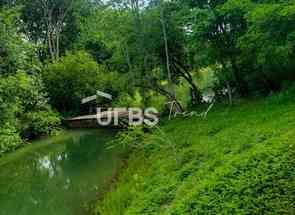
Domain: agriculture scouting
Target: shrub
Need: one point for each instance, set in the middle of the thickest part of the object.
(9, 138)
(71, 79)
(24, 110)
(40, 123)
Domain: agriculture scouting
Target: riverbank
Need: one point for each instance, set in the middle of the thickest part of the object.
(239, 160)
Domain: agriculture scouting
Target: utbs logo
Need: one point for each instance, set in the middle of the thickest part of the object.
(135, 116)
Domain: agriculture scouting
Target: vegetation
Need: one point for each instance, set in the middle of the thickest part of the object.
(142, 50)
(73, 77)
(172, 55)
(236, 161)
(24, 110)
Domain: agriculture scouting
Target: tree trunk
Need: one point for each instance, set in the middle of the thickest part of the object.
(229, 93)
(54, 25)
(166, 45)
(196, 94)
(241, 84)
(168, 66)
(127, 56)
(156, 88)
(50, 46)
(57, 45)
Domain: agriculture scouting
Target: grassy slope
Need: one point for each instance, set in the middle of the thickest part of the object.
(239, 160)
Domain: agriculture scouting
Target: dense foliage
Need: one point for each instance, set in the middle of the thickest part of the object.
(24, 110)
(72, 78)
(149, 48)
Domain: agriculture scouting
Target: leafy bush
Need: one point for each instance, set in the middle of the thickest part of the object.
(40, 123)
(73, 78)
(24, 110)
(126, 100)
(157, 101)
(183, 94)
(9, 138)
(133, 137)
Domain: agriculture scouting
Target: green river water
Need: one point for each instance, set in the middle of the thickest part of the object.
(56, 176)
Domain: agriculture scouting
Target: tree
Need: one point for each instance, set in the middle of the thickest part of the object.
(268, 45)
(24, 110)
(218, 25)
(15, 52)
(45, 21)
(72, 78)
(54, 24)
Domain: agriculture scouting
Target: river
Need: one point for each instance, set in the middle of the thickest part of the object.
(57, 176)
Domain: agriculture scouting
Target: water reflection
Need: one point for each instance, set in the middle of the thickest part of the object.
(56, 178)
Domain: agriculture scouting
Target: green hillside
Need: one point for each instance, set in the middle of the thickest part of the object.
(239, 160)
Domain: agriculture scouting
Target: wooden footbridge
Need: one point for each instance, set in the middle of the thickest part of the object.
(91, 120)
(94, 119)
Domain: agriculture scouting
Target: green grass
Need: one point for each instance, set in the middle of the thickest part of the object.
(240, 160)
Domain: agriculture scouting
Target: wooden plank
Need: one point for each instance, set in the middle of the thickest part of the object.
(121, 114)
